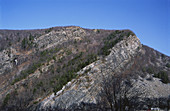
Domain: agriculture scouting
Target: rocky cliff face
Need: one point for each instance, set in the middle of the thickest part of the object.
(87, 87)
(63, 67)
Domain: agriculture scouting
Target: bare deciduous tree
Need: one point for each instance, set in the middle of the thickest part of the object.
(118, 93)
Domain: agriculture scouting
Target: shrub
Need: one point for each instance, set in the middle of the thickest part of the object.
(19, 39)
(7, 97)
(87, 70)
(111, 36)
(109, 43)
(15, 80)
(117, 31)
(56, 49)
(48, 30)
(40, 84)
(52, 70)
(9, 43)
(144, 69)
(162, 55)
(130, 33)
(44, 53)
(168, 65)
(31, 38)
(98, 31)
(24, 43)
(150, 70)
(34, 90)
(27, 43)
(68, 52)
(35, 102)
(163, 76)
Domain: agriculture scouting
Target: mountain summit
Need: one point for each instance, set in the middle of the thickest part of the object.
(72, 68)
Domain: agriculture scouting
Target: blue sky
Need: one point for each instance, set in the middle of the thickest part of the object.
(149, 19)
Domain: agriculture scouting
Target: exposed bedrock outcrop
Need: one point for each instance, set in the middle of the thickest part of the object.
(87, 87)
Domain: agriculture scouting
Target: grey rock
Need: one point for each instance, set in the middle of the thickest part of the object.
(87, 87)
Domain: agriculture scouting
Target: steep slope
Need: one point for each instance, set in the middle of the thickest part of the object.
(63, 67)
(123, 59)
(87, 86)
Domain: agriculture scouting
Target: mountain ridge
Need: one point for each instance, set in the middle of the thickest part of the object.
(47, 28)
(42, 62)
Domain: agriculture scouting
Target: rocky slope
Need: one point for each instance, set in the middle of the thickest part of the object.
(63, 67)
(87, 90)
